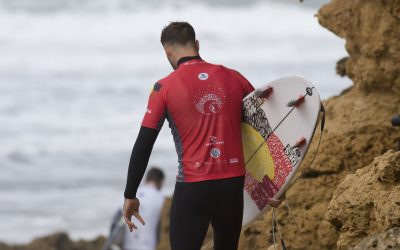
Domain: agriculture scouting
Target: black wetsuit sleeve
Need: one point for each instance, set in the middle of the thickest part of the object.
(139, 159)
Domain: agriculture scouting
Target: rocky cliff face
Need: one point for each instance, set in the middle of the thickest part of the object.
(357, 131)
(367, 201)
(371, 30)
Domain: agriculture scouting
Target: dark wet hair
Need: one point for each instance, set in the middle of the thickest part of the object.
(178, 33)
(155, 174)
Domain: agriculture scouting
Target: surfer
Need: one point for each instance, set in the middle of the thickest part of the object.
(203, 105)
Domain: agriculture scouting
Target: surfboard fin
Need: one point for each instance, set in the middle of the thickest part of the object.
(300, 143)
(264, 93)
(296, 103)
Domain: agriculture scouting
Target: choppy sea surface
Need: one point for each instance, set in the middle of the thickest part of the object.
(74, 81)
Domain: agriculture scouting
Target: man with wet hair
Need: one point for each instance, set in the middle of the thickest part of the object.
(203, 105)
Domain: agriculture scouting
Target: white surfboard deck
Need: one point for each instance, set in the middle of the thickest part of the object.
(272, 167)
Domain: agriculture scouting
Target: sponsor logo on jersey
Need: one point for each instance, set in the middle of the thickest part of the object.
(233, 160)
(215, 153)
(193, 62)
(214, 141)
(203, 76)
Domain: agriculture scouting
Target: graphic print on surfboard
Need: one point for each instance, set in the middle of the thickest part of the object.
(262, 183)
(270, 130)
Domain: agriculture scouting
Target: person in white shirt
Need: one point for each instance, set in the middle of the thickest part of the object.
(151, 202)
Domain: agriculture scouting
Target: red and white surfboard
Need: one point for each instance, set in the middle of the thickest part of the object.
(279, 123)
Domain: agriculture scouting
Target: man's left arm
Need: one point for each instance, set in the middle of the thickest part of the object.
(151, 125)
(137, 166)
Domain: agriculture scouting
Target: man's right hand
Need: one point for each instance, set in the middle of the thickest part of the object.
(131, 208)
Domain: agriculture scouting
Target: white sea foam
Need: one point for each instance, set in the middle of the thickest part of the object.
(74, 87)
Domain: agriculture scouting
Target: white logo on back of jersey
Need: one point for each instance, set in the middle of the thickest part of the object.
(209, 100)
(215, 153)
(233, 160)
(214, 141)
(203, 76)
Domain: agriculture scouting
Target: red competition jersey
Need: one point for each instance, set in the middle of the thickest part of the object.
(203, 105)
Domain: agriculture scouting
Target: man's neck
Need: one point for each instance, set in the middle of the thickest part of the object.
(187, 58)
(185, 52)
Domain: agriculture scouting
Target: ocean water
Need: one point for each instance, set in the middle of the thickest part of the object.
(74, 81)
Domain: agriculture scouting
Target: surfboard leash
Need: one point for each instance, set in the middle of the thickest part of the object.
(294, 221)
(273, 229)
(275, 222)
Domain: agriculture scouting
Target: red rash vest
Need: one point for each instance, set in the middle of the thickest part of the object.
(203, 105)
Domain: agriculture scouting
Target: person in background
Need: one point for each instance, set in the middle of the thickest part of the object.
(148, 236)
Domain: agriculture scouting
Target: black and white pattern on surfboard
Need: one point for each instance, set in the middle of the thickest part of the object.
(255, 116)
(293, 154)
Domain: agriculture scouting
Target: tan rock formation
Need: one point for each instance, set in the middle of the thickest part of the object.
(367, 201)
(371, 30)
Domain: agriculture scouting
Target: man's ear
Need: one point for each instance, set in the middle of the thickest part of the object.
(197, 45)
(168, 51)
